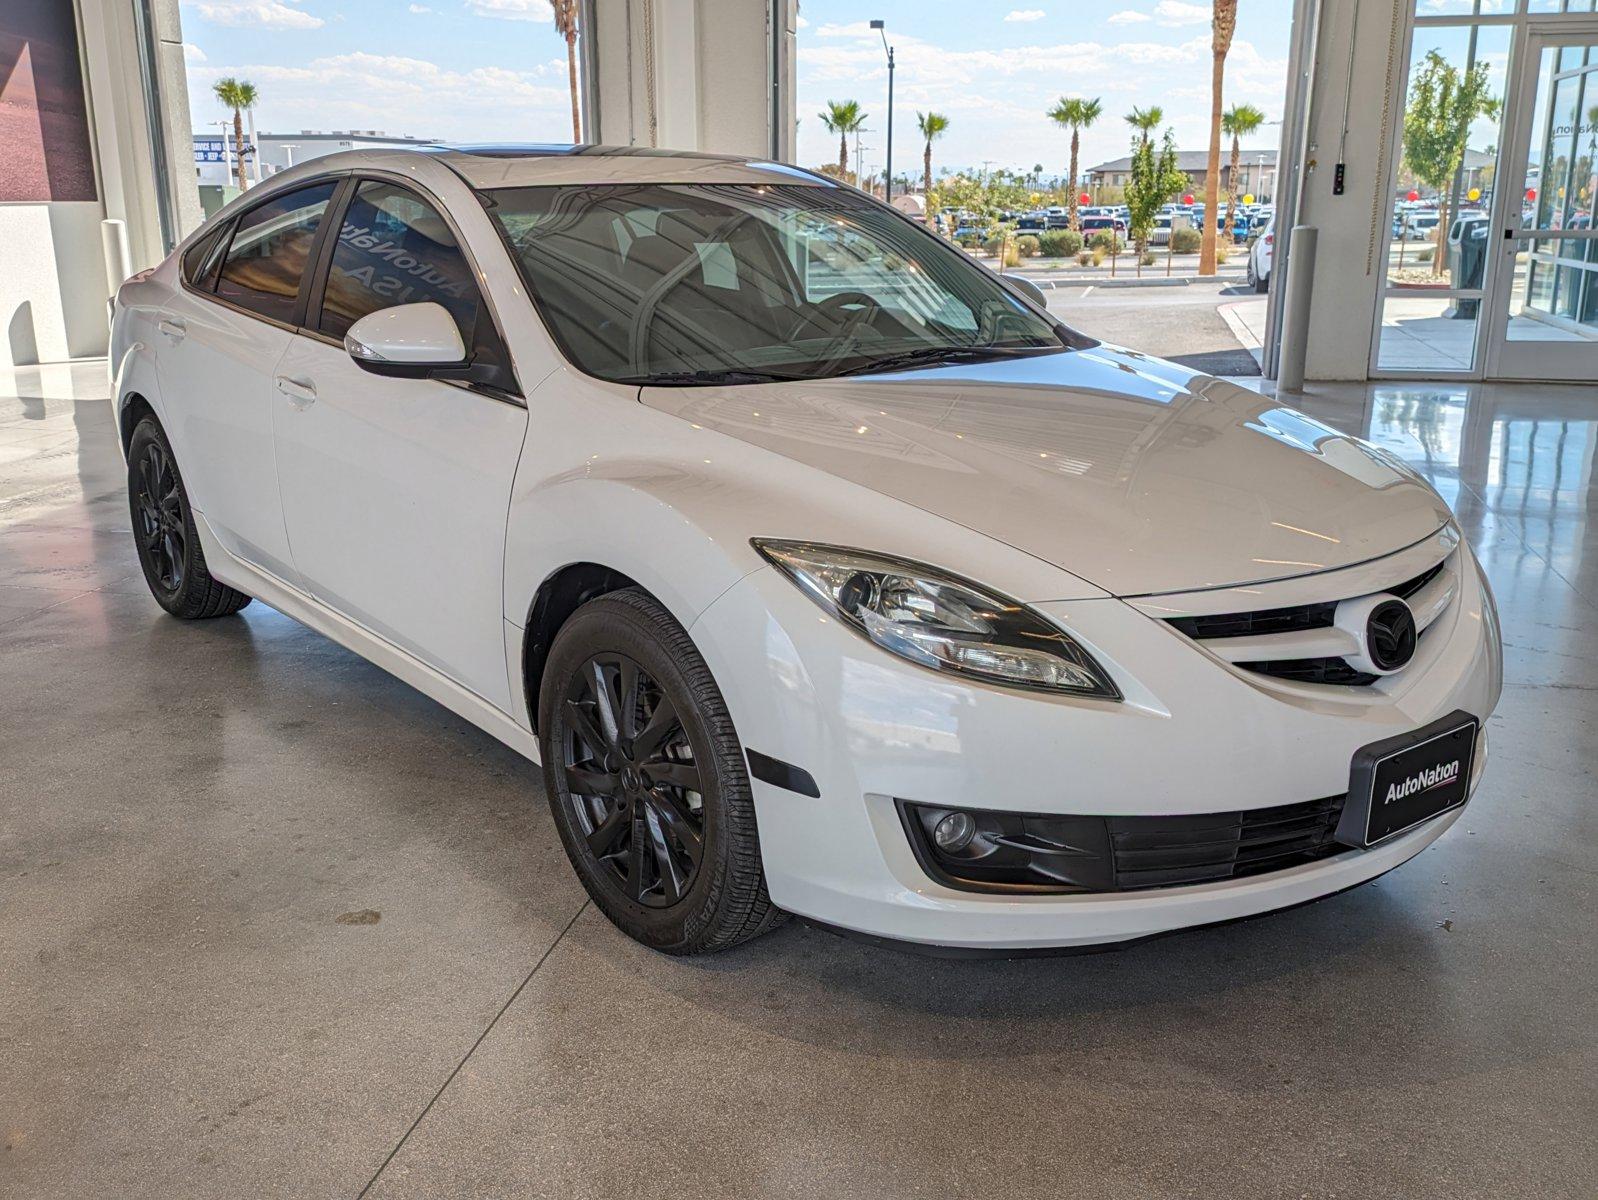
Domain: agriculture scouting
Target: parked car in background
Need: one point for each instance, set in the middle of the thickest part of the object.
(1103, 224)
(1417, 225)
(1032, 222)
(1166, 224)
(1260, 253)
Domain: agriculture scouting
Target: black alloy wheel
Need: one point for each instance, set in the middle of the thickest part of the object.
(647, 781)
(633, 779)
(158, 509)
(163, 531)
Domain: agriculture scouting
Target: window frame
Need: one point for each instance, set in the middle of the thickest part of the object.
(231, 226)
(314, 281)
(507, 388)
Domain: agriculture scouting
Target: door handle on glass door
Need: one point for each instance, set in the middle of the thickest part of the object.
(301, 392)
(173, 328)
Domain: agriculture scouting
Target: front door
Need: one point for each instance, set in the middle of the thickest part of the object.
(1542, 307)
(395, 491)
(219, 344)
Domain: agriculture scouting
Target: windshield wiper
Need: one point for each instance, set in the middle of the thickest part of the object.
(710, 377)
(933, 356)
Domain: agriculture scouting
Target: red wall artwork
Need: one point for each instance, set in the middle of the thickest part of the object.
(44, 124)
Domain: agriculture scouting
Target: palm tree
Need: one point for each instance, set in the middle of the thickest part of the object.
(566, 26)
(237, 94)
(932, 125)
(1076, 115)
(843, 117)
(1223, 25)
(1237, 122)
(1145, 121)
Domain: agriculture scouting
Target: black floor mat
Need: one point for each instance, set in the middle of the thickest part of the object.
(1220, 362)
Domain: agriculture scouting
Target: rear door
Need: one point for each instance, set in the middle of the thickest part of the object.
(217, 350)
(396, 491)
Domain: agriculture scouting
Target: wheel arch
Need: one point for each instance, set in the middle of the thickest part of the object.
(561, 594)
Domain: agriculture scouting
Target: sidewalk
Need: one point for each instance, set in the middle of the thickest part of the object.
(1246, 319)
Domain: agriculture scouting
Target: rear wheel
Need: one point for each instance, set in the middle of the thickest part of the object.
(163, 527)
(646, 780)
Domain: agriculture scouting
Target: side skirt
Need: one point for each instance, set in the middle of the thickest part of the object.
(312, 613)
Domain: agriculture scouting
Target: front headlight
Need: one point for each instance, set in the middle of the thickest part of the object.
(939, 620)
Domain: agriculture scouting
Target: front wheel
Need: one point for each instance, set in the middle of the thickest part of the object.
(163, 526)
(646, 780)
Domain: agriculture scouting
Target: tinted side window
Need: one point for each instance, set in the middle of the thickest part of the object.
(394, 248)
(199, 260)
(270, 249)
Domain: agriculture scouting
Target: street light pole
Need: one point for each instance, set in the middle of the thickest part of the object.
(887, 173)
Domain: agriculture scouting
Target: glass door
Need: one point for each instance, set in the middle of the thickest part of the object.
(1542, 301)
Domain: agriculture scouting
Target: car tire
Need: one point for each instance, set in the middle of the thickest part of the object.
(647, 781)
(163, 530)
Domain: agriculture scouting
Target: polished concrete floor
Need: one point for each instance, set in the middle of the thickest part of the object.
(273, 924)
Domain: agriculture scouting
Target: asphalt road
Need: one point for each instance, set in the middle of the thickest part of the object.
(1182, 323)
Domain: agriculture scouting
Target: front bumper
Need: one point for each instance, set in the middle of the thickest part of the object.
(1193, 735)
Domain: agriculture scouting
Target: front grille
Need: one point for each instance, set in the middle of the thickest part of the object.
(1312, 670)
(1267, 621)
(1170, 851)
(1034, 852)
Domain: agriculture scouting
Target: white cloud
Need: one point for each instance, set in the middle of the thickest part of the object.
(512, 10)
(398, 95)
(1127, 16)
(420, 8)
(270, 14)
(1025, 14)
(800, 23)
(192, 53)
(1177, 12)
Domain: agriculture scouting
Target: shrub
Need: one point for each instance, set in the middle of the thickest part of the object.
(1028, 246)
(1424, 254)
(1147, 259)
(1222, 253)
(1060, 243)
(1098, 256)
(1012, 254)
(1186, 241)
(1105, 240)
(1086, 257)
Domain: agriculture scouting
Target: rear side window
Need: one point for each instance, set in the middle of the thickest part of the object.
(199, 260)
(270, 250)
(394, 248)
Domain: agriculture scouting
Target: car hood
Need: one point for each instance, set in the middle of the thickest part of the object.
(1132, 473)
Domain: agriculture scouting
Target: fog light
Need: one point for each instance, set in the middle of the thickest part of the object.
(954, 833)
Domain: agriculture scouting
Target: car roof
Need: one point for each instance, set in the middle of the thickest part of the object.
(498, 165)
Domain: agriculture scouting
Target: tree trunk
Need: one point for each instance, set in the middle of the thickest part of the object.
(843, 155)
(926, 172)
(1231, 186)
(1440, 235)
(1212, 177)
(238, 146)
(571, 71)
(1072, 206)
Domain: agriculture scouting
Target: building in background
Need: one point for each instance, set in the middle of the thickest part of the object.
(216, 171)
(1256, 172)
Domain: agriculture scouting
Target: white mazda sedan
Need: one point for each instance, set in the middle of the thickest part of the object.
(821, 568)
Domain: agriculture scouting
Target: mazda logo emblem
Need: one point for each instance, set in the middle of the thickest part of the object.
(1390, 634)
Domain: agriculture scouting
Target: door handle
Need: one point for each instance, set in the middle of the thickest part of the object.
(173, 329)
(301, 392)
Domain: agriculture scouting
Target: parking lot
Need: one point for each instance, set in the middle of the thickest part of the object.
(1204, 324)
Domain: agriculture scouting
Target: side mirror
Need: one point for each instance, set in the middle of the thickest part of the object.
(1028, 289)
(410, 341)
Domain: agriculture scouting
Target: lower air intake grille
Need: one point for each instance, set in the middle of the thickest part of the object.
(1167, 851)
(985, 850)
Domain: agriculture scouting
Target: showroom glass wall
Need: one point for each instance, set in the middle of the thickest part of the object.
(1470, 289)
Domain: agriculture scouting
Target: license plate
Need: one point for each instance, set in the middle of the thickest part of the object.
(1404, 781)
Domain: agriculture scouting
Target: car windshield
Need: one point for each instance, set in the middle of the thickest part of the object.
(705, 284)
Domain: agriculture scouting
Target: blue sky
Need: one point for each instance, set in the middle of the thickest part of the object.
(479, 70)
